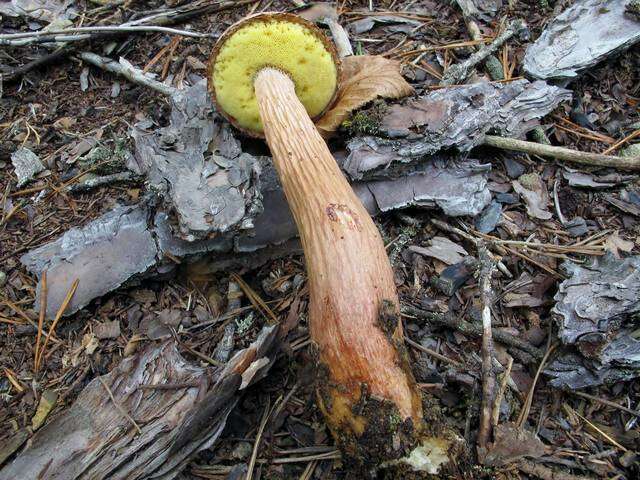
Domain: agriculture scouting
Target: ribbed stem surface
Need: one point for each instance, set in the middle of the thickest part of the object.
(348, 268)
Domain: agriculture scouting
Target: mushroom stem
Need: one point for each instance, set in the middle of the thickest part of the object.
(354, 316)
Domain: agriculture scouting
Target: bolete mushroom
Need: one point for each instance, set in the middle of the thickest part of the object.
(269, 75)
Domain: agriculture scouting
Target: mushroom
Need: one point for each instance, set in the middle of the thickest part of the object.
(269, 75)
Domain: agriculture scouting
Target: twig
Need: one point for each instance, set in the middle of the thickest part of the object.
(495, 417)
(256, 300)
(24, 316)
(472, 329)
(433, 353)
(43, 310)
(524, 413)
(488, 375)
(622, 142)
(119, 407)
(256, 445)
(124, 68)
(604, 434)
(561, 153)
(47, 36)
(457, 73)
(605, 402)
(491, 62)
(61, 310)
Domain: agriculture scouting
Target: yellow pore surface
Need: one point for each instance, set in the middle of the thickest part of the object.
(291, 48)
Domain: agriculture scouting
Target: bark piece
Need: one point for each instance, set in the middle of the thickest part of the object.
(93, 439)
(596, 310)
(511, 444)
(454, 276)
(27, 165)
(42, 10)
(534, 193)
(197, 163)
(479, 9)
(442, 249)
(597, 298)
(102, 255)
(580, 37)
(488, 220)
(458, 188)
(455, 117)
(134, 242)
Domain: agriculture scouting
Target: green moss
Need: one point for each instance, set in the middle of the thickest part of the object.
(366, 121)
(530, 181)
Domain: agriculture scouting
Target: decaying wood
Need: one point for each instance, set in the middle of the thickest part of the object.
(459, 118)
(584, 34)
(95, 439)
(124, 68)
(209, 195)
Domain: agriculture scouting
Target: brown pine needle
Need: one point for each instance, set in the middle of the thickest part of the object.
(256, 300)
(622, 142)
(57, 318)
(120, 408)
(43, 311)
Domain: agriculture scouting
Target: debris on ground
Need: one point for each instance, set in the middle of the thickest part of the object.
(156, 408)
(459, 117)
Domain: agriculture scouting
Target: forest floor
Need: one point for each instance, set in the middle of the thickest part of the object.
(63, 110)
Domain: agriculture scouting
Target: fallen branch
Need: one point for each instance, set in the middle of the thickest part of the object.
(124, 68)
(65, 35)
(561, 153)
(487, 266)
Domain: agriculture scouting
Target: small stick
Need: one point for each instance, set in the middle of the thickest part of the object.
(43, 311)
(495, 418)
(561, 153)
(601, 432)
(17, 309)
(84, 33)
(61, 310)
(124, 68)
(457, 73)
(524, 413)
(622, 142)
(472, 329)
(433, 353)
(488, 374)
(119, 407)
(256, 445)
(605, 402)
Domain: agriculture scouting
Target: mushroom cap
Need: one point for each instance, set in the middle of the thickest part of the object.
(277, 40)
